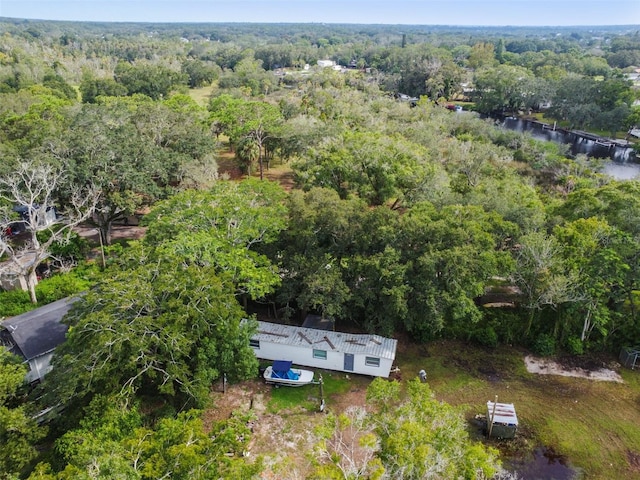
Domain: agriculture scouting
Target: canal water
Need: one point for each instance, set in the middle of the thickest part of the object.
(622, 164)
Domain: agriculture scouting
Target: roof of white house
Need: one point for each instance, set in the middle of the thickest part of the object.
(373, 345)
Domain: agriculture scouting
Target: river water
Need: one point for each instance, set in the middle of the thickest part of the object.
(622, 164)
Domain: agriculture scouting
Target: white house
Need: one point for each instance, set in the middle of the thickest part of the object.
(326, 63)
(34, 335)
(345, 352)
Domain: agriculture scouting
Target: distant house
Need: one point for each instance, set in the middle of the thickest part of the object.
(12, 272)
(35, 335)
(43, 217)
(326, 63)
(346, 352)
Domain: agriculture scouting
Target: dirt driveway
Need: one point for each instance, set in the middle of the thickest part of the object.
(119, 232)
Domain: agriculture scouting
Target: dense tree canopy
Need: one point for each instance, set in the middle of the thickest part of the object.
(154, 329)
(18, 431)
(399, 217)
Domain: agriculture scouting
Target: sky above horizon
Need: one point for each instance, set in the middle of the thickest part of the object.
(407, 12)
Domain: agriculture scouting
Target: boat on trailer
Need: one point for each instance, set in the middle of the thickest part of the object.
(281, 373)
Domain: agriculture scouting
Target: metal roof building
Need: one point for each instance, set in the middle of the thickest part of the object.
(504, 419)
(348, 352)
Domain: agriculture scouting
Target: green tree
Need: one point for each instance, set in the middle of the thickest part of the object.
(91, 88)
(116, 441)
(29, 119)
(223, 228)
(134, 151)
(241, 119)
(157, 328)
(200, 74)
(154, 81)
(247, 154)
(316, 249)
(507, 88)
(542, 276)
(379, 168)
(482, 56)
(379, 291)
(58, 84)
(422, 438)
(593, 250)
(453, 253)
(19, 433)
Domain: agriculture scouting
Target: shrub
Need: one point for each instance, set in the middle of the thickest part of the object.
(545, 345)
(15, 302)
(75, 249)
(575, 346)
(49, 290)
(487, 337)
(60, 286)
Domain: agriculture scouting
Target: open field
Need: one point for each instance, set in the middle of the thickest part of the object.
(590, 423)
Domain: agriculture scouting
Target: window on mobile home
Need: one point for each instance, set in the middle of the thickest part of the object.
(321, 354)
(372, 361)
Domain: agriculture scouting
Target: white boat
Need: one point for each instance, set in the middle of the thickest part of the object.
(281, 373)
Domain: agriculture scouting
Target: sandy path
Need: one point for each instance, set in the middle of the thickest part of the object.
(549, 367)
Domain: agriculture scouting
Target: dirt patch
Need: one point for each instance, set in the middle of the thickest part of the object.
(357, 396)
(245, 396)
(282, 439)
(283, 175)
(634, 460)
(280, 173)
(544, 366)
(118, 232)
(228, 165)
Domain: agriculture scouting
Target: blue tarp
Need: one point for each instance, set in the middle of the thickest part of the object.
(282, 369)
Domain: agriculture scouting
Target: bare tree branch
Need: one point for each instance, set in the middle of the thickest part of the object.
(32, 190)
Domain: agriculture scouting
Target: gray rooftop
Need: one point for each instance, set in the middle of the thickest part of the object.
(41, 330)
(322, 339)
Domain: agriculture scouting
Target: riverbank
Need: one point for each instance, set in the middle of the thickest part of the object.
(604, 141)
(620, 151)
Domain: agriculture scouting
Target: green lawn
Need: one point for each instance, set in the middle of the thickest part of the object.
(200, 95)
(593, 423)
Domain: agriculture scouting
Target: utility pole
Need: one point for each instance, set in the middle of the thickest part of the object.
(493, 414)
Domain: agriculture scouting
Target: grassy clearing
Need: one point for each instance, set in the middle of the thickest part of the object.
(592, 423)
(201, 95)
(307, 397)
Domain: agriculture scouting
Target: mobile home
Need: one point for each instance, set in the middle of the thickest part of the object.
(345, 352)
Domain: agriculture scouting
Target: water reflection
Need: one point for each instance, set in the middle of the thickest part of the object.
(622, 171)
(543, 464)
(623, 161)
(578, 143)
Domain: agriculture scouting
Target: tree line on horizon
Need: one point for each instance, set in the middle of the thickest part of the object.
(402, 219)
